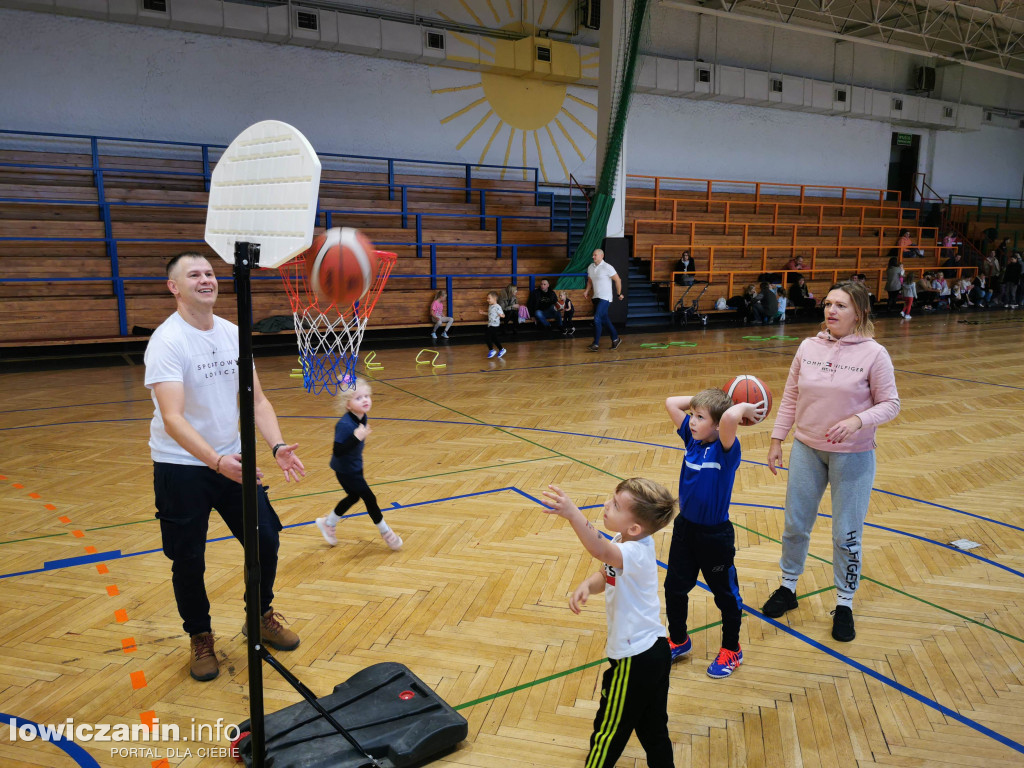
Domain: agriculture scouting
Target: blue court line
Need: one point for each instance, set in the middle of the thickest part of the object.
(53, 565)
(575, 434)
(69, 747)
(116, 554)
(950, 547)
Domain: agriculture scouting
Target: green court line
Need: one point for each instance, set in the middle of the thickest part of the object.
(33, 538)
(549, 678)
(897, 590)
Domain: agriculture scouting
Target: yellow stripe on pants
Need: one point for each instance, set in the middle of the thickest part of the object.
(614, 705)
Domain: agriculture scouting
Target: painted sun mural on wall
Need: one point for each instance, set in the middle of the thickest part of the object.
(520, 110)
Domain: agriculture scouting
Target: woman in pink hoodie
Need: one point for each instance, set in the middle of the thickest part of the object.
(841, 386)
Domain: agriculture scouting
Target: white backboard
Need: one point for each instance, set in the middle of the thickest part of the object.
(264, 190)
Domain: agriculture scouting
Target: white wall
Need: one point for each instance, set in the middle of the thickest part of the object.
(704, 139)
(74, 75)
(989, 162)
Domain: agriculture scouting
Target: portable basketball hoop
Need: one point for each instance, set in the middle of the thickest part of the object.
(329, 337)
(261, 213)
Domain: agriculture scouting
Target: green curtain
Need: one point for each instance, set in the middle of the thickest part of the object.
(601, 205)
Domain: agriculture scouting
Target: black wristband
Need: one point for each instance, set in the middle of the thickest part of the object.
(273, 451)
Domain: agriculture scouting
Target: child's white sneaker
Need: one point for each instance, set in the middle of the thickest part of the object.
(392, 539)
(434, 335)
(444, 335)
(327, 531)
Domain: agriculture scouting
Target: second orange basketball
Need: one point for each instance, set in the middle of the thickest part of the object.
(341, 266)
(749, 389)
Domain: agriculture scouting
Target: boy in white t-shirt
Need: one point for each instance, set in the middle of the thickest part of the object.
(634, 691)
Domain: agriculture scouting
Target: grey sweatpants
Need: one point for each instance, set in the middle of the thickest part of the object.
(850, 476)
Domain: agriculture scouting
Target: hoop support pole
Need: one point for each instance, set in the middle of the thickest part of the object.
(247, 256)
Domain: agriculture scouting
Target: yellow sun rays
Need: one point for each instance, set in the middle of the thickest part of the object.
(517, 119)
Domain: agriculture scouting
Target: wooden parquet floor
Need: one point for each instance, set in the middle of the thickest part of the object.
(476, 601)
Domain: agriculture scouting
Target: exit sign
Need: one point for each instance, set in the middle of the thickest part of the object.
(904, 139)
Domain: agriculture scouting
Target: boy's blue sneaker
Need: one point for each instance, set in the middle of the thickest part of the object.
(501, 353)
(492, 352)
(725, 663)
(680, 650)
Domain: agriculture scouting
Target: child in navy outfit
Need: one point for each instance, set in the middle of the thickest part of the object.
(350, 434)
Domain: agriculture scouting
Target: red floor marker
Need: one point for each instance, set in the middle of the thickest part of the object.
(64, 519)
(138, 680)
(102, 568)
(17, 485)
(90, 550)
(128, 645)
(50, 507)
(113, 591)
(78, 534)
(161, 763)
(34, 496)
(147, 718)
(121, 615)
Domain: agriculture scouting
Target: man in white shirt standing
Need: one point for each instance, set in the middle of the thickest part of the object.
(192, 371)
(600, 278)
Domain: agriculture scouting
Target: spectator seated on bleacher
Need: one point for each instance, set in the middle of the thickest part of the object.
(783, 300)
(959, 295)
(508, 300)
(766, 309)
(950, 246)
(801, 298)
(744, 304)
(906, 246)
(940, 286)
(542, 307)
(953, 262)
(926, 295)
(860, 277)
(981, 294)
(796, 263)
(687, 266)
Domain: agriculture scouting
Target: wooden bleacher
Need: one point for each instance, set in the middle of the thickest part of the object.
(53, 228)
(735, 235)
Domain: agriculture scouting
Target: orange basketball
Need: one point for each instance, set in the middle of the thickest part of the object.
(341, 265)
(749, 389)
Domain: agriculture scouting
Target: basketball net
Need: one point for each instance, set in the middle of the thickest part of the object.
(329, 337)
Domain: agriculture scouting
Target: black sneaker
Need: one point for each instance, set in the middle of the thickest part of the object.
(593, 347)
(842, 624)
(782, 599)
(615, 344)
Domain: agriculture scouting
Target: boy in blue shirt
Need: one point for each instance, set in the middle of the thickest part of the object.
(703, 539)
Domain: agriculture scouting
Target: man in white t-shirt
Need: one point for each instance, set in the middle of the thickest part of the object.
(192, 371)
(600, 277)
(634, 691)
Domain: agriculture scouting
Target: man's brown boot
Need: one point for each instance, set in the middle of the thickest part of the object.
(274, 633)
(204, 664)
